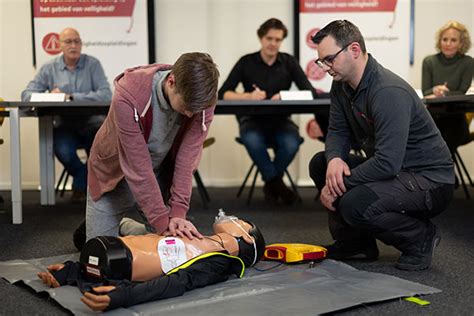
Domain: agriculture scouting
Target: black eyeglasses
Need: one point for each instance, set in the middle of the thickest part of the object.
(329, 60)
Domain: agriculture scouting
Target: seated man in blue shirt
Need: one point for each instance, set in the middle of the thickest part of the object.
(263, 75)
(81, 78)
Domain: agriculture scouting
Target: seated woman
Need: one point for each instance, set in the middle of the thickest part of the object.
(123, 271)
(449, 72)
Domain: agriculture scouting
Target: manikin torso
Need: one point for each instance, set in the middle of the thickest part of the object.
(154, 255)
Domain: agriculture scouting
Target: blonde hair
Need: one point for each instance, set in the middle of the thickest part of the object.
(465, 37)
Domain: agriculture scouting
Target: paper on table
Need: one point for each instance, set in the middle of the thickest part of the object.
(47, 97)
(286, 95)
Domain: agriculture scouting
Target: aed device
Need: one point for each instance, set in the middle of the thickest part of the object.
(294, 252)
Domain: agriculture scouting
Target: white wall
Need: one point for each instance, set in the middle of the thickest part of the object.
(227, 30)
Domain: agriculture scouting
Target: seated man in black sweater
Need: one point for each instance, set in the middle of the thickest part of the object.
(123, 271)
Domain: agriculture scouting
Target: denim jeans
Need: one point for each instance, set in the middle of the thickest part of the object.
(259, 134)
(68, 138)
(104, 215)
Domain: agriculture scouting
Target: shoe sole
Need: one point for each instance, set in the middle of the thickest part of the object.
(355, 256)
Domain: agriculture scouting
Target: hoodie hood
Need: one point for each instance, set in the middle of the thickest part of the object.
(137, 82)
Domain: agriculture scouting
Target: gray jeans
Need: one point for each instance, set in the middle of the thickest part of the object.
(103, 216)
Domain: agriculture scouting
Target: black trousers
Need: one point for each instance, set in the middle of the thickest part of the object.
(395, 211)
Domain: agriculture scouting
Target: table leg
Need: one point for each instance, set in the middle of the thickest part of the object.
(15, 162)
(47, 176)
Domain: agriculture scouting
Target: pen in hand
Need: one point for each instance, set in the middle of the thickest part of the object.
(444, 88)
(257, 93)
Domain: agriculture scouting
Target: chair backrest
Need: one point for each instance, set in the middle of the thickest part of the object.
(1, 110)
(208, 142)
(269, 145)
(1, 119)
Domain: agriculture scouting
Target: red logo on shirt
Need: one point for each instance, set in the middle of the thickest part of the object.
(51, 43)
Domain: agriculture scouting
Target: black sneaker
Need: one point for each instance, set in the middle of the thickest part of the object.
(78, 196)
(287, 195)
(421, 260)
(270, 191)
(343, 250)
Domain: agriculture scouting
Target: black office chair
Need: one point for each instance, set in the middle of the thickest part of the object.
(63, 179)
(1, 140)
(62, 182)
(254, 180)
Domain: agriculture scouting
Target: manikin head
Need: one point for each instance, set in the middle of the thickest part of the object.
(250, 239)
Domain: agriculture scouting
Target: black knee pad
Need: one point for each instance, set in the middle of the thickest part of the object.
(105, 258)
(354, 203)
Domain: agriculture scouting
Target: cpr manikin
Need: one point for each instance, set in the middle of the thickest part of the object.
(136, 269)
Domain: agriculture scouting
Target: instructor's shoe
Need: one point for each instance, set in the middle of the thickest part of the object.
(421, 260)
(343, 250)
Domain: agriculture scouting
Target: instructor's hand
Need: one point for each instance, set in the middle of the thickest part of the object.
(337, 169)
(182, 227)
(327, 199)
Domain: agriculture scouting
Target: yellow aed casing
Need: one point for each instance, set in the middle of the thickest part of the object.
(291, 252)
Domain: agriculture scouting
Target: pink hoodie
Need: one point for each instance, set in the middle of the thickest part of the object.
(120, 150)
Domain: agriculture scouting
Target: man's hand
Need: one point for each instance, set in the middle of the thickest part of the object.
(337, 169)
(98, 302)
(56, 90)
(441, 90)
(257, 94)
(48, 278)
(276, 97)
(182, 227)
(327, 199)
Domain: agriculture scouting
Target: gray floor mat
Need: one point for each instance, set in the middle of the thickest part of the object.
(287, 289)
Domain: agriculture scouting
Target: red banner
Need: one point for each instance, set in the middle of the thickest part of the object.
(82, 8)
(319, 6)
